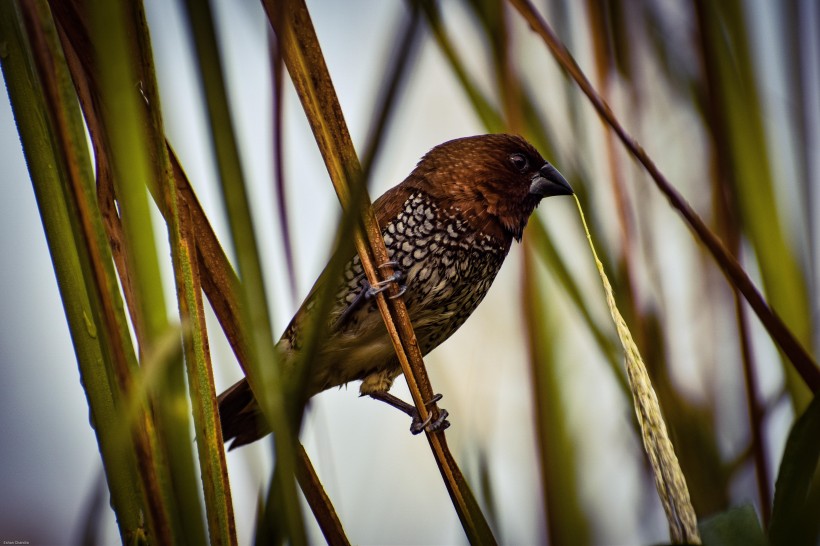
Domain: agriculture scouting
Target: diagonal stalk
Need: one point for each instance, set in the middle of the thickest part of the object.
(303, 58)
(802, 361)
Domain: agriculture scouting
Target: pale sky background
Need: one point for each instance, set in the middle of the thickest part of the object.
(382, 481)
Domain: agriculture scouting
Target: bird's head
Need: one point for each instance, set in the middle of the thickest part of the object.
(491, 178)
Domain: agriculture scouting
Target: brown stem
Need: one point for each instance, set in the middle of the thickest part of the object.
(728, 226)
(318, 500)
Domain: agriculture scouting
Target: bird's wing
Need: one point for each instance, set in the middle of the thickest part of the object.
(386, 207)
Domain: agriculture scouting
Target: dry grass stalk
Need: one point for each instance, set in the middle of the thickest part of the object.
(669, 478)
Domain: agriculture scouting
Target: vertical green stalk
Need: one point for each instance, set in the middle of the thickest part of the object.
(48, 175)
(119, 95)
(131, 172)
(752, 186)
(72, 148)
(181, 235)
(263, 372)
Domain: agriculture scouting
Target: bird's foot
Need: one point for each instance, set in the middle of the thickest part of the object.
(417, 426)
(437, 425)
(368, 292)
(371, 290)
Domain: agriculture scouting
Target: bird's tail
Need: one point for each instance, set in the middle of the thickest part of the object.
(240, 416)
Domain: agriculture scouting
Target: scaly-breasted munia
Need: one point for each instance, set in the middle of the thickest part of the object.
(447, 228)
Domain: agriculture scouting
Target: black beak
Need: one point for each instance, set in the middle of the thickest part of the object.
(549, 182)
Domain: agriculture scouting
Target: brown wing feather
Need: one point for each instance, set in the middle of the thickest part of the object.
(387, 206)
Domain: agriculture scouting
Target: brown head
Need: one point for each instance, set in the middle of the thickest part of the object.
(495, 181)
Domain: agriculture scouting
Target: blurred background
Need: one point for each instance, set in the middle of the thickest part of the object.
(725, 99)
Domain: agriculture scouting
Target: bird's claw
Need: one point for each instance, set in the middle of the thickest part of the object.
(371, 290)
(397, 275)
(368, 292)
(400, 293)
(439, 424)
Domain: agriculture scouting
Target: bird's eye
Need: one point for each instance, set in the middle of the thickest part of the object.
(519, 161)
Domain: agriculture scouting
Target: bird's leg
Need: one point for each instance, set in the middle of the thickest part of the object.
(441, 423)
(369, 291)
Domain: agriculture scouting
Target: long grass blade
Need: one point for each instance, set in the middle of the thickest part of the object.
(217, 491)
(172, 424)
(72, 145)
(128, 171)
(218, 279)
(182, 236)
(263, 371)
(128, 159)
(316, 326)
(794, 515)
(220, 284)
(63, 234)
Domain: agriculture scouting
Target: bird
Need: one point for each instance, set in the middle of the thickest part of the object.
(447, 228)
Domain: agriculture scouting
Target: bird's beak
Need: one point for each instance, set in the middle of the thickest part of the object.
(549, 182)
